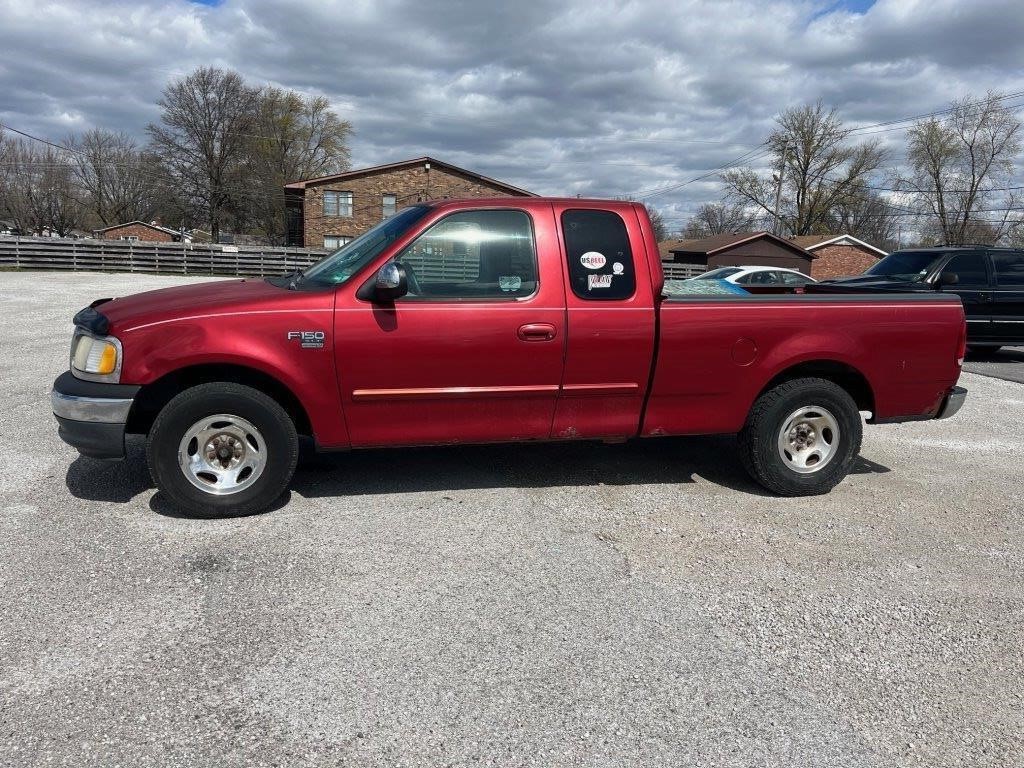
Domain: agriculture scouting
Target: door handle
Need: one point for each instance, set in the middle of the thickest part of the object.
(536, 332)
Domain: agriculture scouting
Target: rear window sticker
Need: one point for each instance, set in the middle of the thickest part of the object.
(618, 268)
(599, 281)
(593, 260)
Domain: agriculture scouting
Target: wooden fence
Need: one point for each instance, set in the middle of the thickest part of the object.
(674, 271)
(51, 253)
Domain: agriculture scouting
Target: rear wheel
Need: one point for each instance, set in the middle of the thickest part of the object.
(222, 450)
(801, 437)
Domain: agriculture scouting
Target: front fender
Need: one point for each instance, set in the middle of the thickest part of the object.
(256, 341)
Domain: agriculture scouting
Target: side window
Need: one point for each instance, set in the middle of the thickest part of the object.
(600, 259)
(473, 255)
(791, 278)
(970, 268)
(1009, 269)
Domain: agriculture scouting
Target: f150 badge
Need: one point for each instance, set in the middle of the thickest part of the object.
(308, 339)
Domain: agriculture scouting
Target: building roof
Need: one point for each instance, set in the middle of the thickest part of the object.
(813, 242)
(716, 243)
(138, 223)
(303, 183)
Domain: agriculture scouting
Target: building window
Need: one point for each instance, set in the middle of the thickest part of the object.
(130, 238)
(338, 204)
(335, 241)
(389, 205)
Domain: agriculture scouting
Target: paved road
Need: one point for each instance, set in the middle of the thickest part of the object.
(1007, 363)
(562, 605)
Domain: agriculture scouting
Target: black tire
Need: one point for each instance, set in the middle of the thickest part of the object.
(280, 446)
(759, 439)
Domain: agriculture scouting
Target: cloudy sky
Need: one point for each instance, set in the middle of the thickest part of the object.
(596, 97)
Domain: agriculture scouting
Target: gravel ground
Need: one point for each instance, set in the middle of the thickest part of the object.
(560, 605)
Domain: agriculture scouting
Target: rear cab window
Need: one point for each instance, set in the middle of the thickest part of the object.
(599, 256)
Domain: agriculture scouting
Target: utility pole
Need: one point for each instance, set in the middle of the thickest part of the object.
(777, 229)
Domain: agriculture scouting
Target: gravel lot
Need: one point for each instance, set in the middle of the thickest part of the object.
(562, 605)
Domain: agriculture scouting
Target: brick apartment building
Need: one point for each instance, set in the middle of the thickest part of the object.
(329, 211)
(838, 255)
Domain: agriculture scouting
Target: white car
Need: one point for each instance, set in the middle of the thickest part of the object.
(754, 276)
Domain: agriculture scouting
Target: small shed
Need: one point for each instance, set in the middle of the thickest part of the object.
(740, 249)
(138, 231)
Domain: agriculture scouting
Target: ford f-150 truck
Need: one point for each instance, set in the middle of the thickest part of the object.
(494, 320)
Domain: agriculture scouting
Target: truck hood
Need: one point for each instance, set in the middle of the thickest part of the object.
(207, 299)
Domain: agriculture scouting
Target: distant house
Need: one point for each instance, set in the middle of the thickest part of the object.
(134, 231)
(838, 255)
(328, 211)
(738, 249)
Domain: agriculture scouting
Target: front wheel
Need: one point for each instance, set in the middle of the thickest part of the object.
(222, 450)
(801, 437)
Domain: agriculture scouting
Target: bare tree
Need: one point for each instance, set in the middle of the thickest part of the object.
(658, 224)
(117, 182)
(205, 125)
(720, 218)
(294, 137)
(814, 164)
(37, 189)
(866, 215)
(958, 166)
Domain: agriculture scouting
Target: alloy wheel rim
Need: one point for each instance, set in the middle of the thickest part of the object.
(808, 439)
(222, 454)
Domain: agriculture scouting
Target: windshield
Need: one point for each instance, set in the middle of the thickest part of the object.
(718, 274)
(906, 265)
(339, 266)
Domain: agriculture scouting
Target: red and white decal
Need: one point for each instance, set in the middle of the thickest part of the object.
(593, 260)
(599, 281)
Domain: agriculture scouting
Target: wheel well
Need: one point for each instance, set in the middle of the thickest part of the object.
(154, 396)
(846, 376)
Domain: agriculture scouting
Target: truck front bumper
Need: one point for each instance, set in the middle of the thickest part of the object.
(91, 416)
(953, 402)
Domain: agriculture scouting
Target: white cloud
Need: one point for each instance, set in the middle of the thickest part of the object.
(575, 96)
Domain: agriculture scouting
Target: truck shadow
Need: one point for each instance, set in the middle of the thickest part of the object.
(456, 468)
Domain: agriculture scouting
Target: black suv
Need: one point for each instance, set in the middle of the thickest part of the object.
(989, 281)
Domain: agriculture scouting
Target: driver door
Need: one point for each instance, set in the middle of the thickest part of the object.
(474, 352)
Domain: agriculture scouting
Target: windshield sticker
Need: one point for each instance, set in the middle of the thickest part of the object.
(617, 268)
(593, 260)
(510, 282)
(599, 281)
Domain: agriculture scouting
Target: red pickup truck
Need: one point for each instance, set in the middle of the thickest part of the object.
(477, 321)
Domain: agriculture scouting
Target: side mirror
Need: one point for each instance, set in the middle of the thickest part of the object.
(391, 282)
(946, 279)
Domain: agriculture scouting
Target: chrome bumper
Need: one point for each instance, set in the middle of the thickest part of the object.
(104, 410)
(954, 402)
(91, 416)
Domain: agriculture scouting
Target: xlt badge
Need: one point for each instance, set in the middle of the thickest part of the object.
(308, 339)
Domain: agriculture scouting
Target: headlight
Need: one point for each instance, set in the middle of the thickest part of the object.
(96, 358)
